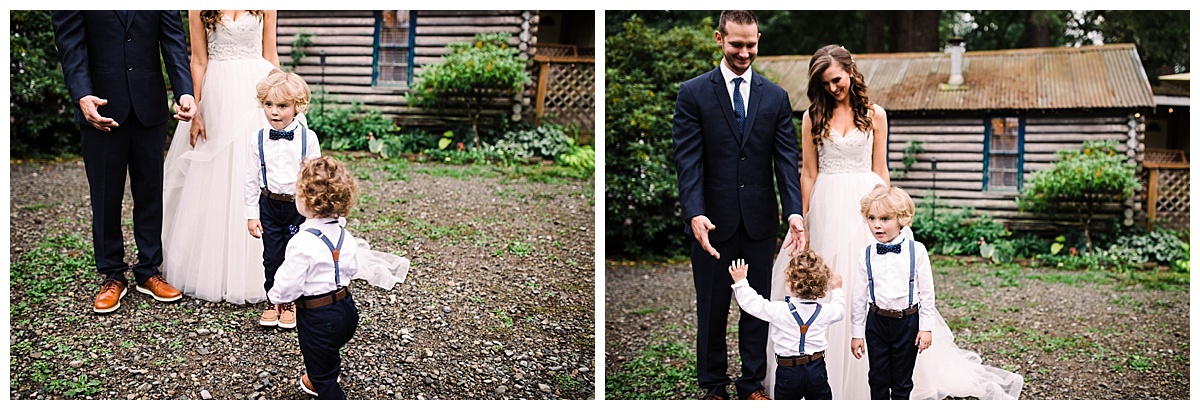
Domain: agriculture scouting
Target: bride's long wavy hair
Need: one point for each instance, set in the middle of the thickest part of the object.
(821, 103)
(211, 18)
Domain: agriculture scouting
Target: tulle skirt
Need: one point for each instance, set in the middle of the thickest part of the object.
(837, 232)
(207, 251)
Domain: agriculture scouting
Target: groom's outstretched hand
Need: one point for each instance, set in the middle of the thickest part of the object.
(700, 227)
(799, 237)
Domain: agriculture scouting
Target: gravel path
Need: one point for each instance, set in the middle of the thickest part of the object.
(1084, 341)
(499, 303)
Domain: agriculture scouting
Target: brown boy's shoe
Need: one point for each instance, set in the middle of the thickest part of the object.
(287, 315)
(157, 287)
(758, 395)
(109, 298)
(270, 316)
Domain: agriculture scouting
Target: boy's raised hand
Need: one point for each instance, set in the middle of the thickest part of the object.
(738, 270)
(835, 281)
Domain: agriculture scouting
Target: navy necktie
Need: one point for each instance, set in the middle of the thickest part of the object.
(883, 249)
(287, 135)
(739, 106)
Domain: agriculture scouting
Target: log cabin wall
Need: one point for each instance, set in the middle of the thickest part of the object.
(348, 40)
(957, 142)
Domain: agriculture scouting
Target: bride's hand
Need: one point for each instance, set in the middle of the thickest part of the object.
(197, 131)
(799, 236)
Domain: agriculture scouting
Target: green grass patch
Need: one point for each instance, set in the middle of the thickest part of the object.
(657, 373)
(1073, 278)
(50, 267)
(518, 248)
(566, 382)
(461, 172)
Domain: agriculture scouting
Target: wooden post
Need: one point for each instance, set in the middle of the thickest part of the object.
(543, 79)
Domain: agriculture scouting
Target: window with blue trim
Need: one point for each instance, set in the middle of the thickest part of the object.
(1004, 148)
(395, 32)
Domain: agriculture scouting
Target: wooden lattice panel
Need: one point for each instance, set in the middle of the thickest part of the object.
(570, 96)
(1173, 205)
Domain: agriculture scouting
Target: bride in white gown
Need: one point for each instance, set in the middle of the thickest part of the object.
(844, 155)
(207, 253)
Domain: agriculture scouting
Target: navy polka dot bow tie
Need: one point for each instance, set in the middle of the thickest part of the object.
(287, 135)
(883, 249)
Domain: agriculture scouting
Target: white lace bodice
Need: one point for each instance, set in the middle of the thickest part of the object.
(236, 39)
(844, 154)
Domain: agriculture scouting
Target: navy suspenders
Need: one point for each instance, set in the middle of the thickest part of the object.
(262, 159)
(803, 325)
(912, 272)
(336, 251)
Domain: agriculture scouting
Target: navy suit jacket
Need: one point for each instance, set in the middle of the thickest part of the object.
(114, 57)
(730, 178)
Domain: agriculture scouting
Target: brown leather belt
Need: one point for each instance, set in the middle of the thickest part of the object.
(323, 300)
(895, 314)
(278, 197)
(787, 361)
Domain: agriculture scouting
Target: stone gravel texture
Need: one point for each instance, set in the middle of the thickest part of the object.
(500, 302)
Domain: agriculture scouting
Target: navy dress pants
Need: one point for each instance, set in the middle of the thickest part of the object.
(322, 332)
(276, 217)
(807, 381)
(892, 353)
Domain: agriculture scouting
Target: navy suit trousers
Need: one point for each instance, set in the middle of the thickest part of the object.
(276, 218)
(322, 332)
(892, 354)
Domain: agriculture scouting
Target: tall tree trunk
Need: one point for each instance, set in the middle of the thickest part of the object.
(925, 30)
(902, 31)
(876, 25)
(1037, 29)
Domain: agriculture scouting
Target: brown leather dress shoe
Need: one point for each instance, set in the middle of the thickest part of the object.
(157, 287)
(759, 394)
(109, 298)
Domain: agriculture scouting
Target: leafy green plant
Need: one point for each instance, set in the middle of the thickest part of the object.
(1081, 181)
(300, 44)
(81, 386)
(351, 127)
(581, 157)
(955, 231)
(1161, 246)
(643, 69)
(911, 150)
(41, 121)
(657, 373)
(546, 141)
(472, 76)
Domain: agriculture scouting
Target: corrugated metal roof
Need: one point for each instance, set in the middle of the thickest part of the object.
(1108, 76)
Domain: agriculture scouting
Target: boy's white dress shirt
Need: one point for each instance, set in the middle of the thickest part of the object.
(283, 164)
(890, 273)
(785, 332)
(308, 264)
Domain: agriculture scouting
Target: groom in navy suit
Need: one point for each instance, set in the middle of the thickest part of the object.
(734, 144)
(111, 63)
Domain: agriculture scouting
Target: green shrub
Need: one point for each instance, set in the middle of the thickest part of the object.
(955, 231)
(581, 157)
(1161, 246)
(546, 141)
(472, 76)
(41, 113)
(348, 127)
(1081, 181)
(644, 67)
